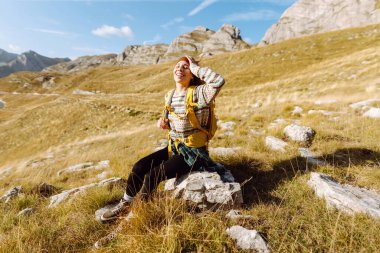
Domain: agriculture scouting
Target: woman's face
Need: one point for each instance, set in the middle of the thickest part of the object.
(182, 73)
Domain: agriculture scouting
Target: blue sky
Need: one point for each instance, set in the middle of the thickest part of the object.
(90, 27)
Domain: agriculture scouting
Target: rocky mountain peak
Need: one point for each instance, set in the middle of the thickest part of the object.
(233, 31)
(307, 17)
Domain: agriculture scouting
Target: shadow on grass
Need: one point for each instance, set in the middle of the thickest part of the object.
(258, 181)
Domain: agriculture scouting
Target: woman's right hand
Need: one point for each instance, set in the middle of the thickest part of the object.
(163, 123)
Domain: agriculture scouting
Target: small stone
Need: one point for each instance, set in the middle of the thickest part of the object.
(227, 125)
(297, 110)
(373, 113)
(26, 212)
(11, 194)
(2, 104)
(248, 239)
(236, 214)
(323, 112)
(325, 101)
(364, 104)
(221, 151)
(275, 143)
(299, 133)
(310, 157)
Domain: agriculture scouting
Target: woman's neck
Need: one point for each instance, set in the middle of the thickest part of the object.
(180, 88)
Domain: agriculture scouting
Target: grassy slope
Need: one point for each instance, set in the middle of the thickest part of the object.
(72, 129)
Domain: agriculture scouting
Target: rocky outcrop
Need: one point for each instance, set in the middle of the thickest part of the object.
(142, 54)
(226, 39)
(310, 17)
(59, 198)
(347, 198)
(207, 190)
(191, 42)
(82, 63)
(201, 41)
(29, 61)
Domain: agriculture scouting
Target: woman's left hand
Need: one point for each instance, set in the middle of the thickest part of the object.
(192, 62)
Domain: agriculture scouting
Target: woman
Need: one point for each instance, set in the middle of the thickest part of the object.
(179, 157)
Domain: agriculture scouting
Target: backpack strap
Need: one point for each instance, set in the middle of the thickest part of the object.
(190, 111)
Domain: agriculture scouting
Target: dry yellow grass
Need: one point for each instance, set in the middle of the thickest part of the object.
(41, 134)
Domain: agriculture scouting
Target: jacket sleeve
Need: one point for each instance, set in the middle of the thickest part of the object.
(206, 93)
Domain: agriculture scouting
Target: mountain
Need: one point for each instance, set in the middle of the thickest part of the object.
(201, 41)
(6, 57)
(307, 17)
(29, 61)
(83, 62)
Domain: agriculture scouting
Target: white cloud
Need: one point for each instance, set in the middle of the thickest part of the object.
(201, 6)
(156, 39)
(54, 32)
(14, 48)
(252, 15)
(248, 40)
(128, 16)
(107, 31)
(172, 22)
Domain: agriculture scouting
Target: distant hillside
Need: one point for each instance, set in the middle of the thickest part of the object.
(28, 61)
(307, 17)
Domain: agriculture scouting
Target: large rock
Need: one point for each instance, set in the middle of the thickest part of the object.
(307, 17)
(364, 104)
(299, 133)
(59, 198)
(206, 190)
(347, 198)
(11, 194)
(248, 239)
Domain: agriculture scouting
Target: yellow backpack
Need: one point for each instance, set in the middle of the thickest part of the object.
(200, 138)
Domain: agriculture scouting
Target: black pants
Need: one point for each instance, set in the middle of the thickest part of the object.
(149, 171)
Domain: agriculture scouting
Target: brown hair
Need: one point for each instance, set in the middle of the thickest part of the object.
(195, 81)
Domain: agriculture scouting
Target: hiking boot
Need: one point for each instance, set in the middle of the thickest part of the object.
(115, 212)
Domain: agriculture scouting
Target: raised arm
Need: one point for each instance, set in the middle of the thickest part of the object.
(207, 92)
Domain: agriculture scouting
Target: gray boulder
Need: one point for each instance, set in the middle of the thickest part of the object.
(11, 194)
(299, 133)
(372, 113)
(347, 198)
(207, 190)
(275, 143)
(85, 167)
(2, 104)
(307, 17)
(248, 239)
